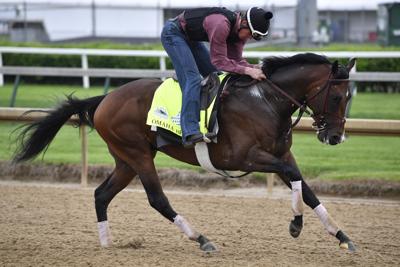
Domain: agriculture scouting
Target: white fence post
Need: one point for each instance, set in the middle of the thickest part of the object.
(163, 66)
(84, 148)
(85, 66)
(270, 182)
(353, 71)
(1, 75)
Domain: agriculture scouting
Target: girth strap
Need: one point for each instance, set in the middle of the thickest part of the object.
(203, 158)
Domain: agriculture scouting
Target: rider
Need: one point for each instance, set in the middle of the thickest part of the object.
(227, 32)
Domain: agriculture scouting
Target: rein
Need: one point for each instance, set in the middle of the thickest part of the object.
(302, 107)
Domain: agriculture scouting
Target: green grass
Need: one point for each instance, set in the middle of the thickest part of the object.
(376, 106)
(43, 96)
(66, 148)
(365, 105)
(358, 157)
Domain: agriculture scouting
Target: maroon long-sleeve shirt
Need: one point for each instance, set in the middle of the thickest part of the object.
(225, 56)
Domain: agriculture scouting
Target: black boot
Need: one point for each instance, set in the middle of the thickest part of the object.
(191, 140)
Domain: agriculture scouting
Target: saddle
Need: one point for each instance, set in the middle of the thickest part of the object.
(211, 88)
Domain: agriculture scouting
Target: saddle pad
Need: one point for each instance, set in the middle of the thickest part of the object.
(165, 111)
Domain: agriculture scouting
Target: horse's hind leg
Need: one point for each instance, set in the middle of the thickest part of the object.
(142, 162)
(115, 182)
(313, 202)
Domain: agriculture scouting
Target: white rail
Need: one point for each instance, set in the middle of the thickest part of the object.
(86, 70)
(149, 73)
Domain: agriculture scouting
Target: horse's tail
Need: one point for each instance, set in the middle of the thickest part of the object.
(37, 136)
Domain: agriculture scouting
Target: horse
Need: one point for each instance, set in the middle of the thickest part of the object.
(255, 135)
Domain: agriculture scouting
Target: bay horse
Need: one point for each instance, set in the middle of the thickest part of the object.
(254, 135)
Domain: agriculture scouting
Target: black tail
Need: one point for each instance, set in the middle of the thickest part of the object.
(36, 137)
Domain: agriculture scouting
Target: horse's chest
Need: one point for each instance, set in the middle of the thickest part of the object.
(276, 146)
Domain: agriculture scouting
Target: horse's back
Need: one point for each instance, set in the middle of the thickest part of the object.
(127, 104)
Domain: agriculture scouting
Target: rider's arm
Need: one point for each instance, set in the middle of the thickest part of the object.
(235, 52)
(218, 28)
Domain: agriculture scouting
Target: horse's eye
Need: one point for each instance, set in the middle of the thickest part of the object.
(348, 95)
(337, 98)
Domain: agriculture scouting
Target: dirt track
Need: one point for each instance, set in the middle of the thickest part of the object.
(57, 227)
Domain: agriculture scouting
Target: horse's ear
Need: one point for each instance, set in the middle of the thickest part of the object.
(351, 64)
(335, 66)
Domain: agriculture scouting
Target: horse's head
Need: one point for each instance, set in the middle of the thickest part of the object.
(328, 103)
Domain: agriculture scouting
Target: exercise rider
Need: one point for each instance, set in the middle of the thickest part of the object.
(227, 32)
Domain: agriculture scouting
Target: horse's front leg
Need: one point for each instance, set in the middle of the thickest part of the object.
(300, 190)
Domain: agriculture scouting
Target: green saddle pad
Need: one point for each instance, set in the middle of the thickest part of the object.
(165, 111)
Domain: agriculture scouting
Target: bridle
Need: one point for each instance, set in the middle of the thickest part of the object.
(319, 118)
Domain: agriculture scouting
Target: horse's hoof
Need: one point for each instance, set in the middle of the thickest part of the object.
(345, 242)
(205, 244)
(208, 247)
(295, 229)
(349, 245)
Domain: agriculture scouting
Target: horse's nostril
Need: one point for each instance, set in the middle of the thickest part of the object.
(335, 139)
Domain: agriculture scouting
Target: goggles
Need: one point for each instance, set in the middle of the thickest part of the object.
(258, 35)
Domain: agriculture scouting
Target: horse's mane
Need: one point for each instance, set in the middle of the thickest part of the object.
(271, 64)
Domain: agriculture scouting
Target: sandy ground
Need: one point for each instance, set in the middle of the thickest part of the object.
(56, 226)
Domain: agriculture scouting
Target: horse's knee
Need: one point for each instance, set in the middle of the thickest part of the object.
(160, 203)
(289, 174)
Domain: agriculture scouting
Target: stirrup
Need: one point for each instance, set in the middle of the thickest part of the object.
(208, 137)
(196, 138)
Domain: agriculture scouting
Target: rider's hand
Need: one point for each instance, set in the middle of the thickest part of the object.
(257, 66)
(256, 74)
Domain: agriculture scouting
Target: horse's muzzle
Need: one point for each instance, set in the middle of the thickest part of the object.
(335, 139)
(326, 137)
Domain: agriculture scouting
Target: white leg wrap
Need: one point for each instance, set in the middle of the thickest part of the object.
(297, 198)
(329, 224)
(104, 234)
(185, 227)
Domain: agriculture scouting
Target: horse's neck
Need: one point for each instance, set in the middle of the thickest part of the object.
(297, 83)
